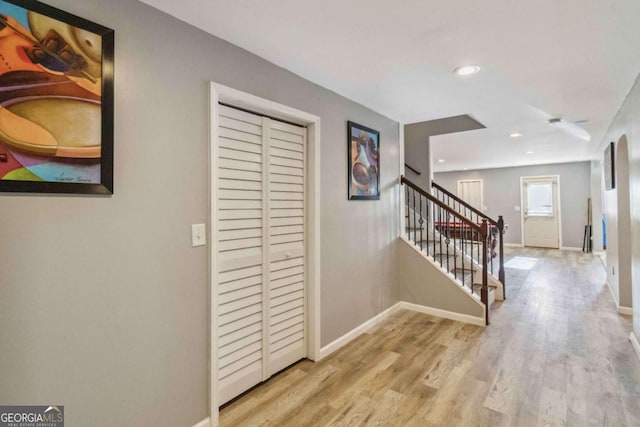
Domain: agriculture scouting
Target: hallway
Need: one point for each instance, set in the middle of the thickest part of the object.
(556, 353)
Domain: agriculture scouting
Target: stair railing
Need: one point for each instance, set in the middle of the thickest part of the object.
(452, 240)
(476, 215)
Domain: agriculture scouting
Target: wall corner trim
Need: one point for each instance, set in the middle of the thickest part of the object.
(625, 310)
(204, 423)
(621, 309)
(401, 305)
(613, 294)
(635, 343)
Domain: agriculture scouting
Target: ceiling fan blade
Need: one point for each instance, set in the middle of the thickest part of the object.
(571, 128)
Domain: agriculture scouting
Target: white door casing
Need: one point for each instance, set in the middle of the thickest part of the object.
(540, 199)
(311, 225)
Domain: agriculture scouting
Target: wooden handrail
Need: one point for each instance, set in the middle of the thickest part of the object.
(465, 204)
(449, 209)
(412, 169)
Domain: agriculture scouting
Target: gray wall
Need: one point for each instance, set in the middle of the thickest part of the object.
(420, 282)
(502, 195)
(103, 302)
(417, 144)
(417, 154)
(625, 284)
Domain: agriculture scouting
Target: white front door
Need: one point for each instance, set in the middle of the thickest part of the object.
(470, 190)
(540, 212)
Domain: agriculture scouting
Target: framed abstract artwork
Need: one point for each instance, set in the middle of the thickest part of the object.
(363, 154)
(56, 101)
(609, 167)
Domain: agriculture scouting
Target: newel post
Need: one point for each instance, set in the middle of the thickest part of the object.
(501, 249)
(484, 292)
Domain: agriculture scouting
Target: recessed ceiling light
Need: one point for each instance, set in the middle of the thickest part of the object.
(515, 135)
(441, 161)
(466, 70)
(530, 152)
(464, 169)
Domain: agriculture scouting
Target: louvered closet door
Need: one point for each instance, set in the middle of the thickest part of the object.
(287, 338)
(240, 255)
(260, 252)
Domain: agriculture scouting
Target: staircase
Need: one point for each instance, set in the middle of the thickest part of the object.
(458, 238)
(496, 228)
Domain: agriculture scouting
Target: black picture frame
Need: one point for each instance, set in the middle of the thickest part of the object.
(609, 165)
(363, 159)
(102, 154)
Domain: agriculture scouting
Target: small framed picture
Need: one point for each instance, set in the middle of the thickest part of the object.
(363, 151)
(56, 93)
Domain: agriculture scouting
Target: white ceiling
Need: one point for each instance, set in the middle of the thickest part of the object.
(575, 59)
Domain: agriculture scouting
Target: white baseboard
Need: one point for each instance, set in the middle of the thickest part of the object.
(402, 305)
(465, 318)
(613, 294)
(619, 308)
(570, 248)
(356, 332)
(204, 423)
(513, 245)
(635, 343)
(625, 310)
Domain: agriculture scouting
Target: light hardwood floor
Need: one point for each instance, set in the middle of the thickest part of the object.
(556, 353)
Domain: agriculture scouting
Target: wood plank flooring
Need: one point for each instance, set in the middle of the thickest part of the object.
(556, 354)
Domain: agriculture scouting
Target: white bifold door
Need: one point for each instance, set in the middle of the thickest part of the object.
(260, 249)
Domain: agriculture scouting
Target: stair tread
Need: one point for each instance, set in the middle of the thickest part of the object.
(479, 285)
(459, 270)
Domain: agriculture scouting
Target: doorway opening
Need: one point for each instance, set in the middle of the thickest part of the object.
(619, 256)
(471, 191)
(540, 207)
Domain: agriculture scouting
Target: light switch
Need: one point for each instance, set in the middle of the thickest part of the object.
(198, 235)
(517, 208)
